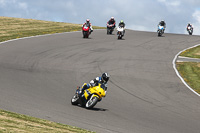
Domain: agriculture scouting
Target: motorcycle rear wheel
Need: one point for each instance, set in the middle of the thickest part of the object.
(92, 102)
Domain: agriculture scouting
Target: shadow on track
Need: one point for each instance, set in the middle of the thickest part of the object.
(121, 39)
(98, 109)
(92, 109)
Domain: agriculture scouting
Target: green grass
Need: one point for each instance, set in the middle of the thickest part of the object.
(190, 71)
(13, 122)
(193, 52)
(12, 28)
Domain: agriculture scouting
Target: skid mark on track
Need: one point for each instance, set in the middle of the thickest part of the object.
(129, 92)
(121, 88)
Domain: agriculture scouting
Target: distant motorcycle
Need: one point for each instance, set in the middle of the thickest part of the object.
(90, 96)
(120, 32)
(86, 31)
(190, 30)
(160, 30)
(110, 28)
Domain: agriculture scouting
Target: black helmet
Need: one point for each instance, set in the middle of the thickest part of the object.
(105, 77)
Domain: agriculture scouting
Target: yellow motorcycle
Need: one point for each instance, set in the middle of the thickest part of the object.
(90, 96)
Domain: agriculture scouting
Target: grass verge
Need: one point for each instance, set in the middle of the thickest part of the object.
(190, 71)
(12, 122)
(192, 53)
(13, 28)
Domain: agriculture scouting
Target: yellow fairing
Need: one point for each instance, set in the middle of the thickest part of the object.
(96, 90)
(86, 94)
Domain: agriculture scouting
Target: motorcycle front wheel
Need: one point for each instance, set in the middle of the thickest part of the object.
(91, 102)
(108, 31)
(159, 34)
(119, 35)
(74, 100)
(111, 31)
(85, 35)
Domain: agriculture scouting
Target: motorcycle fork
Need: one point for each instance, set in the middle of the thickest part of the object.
(82, 101)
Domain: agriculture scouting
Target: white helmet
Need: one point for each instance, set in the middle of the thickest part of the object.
(87, 20)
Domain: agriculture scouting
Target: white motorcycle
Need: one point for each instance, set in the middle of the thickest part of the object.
(120, 32)
(190, 30)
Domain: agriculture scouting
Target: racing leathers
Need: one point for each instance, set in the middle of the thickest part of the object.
(122, 24)
(88, 25)
(111, 22)
(94, 82)
(189, 25)
(162, 23)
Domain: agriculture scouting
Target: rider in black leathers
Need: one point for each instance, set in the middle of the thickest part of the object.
(189, 25)
(111, 22)
(122, 24)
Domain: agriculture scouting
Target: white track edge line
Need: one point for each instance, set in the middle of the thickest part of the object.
(41, 36)
(37, 36)
(178, 74)
(183, 57)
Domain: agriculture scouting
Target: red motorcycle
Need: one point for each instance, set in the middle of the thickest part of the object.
(86, 31)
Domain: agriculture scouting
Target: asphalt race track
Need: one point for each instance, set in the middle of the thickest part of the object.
(39, 75)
